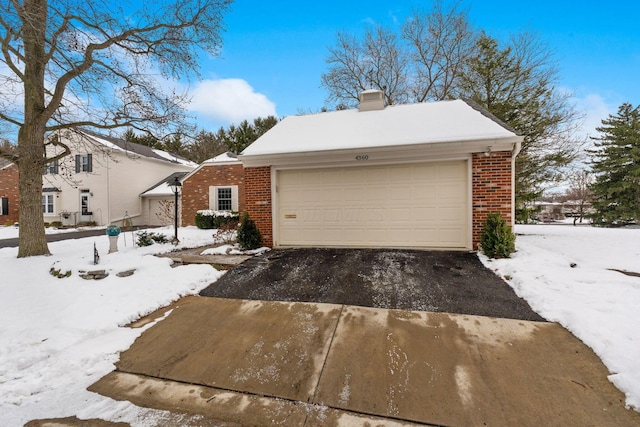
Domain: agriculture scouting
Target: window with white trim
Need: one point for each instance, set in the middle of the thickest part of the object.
(47, 203)
(223, 198)
(84, 163)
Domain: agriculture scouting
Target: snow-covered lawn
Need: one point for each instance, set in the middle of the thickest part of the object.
(11, 232)
(58, 336)
(564, 272)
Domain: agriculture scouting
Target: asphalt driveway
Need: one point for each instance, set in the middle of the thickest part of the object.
(435, 281)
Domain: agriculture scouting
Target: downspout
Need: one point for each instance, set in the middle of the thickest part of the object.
(108, 190)
(516, 149)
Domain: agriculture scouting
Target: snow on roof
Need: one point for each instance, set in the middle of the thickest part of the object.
(163, 188)
(174, 158)
(224, 158)
(4, 163)
(435, 122)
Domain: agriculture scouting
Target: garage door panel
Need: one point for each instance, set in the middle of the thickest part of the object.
(401, 193)
(421, 174)
(416, 205)
(450, 214)
(424, 192)
(448, 171)
(354, 194)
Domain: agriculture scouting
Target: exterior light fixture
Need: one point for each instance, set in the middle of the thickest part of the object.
(175, 186)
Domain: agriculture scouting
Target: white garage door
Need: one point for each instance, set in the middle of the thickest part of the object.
(409, 205)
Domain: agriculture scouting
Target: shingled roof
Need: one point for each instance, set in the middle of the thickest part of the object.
(139, 149)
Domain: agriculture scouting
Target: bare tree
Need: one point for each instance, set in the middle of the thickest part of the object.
(71, 64)
(424, 64)
(579, 192)
(440, 43)
(166, 212)
(378, 62)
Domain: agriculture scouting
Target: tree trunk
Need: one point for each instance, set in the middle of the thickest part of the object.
(32, 240)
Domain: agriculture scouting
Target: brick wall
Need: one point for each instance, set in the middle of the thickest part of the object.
(258, 193)
(195, 189)
(9, 189)
(492, 189)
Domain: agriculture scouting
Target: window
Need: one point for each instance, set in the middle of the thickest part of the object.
(84, 163)
(51, 167)
(223, 198)
(47, 203)
(4, 206)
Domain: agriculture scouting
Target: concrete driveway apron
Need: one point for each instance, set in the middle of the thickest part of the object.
(313, 364)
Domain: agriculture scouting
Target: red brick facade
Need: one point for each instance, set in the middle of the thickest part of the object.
(259, 207)
(195, 189)
(491, 192)
(9, 190)
(492, 189)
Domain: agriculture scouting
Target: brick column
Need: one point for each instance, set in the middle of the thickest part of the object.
(492, 188)
(258, 197)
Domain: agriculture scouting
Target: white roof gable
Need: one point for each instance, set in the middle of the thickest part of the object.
(401, 125)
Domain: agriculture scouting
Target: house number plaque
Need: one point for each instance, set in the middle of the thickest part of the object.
(361, 157)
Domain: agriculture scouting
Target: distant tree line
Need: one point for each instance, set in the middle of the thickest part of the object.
(205, 144)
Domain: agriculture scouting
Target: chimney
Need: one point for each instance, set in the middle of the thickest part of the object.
(371, 100)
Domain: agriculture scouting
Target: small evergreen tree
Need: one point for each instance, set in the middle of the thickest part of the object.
(496, 239)
(616, 190)
(249, 236)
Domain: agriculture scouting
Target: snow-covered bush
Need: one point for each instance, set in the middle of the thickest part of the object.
(208, 219)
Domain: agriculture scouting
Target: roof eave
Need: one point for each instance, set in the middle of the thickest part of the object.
(385, 153)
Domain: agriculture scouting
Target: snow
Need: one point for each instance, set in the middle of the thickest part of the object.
(432, 122)
(233, 250)
(58, 336)
(223, 158)
(596, 304)
(12, 232)
(161, 190)
(173, 158)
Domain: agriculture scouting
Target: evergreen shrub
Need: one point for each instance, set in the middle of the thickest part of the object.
(146, 238)
(249, 236)
(497, 239)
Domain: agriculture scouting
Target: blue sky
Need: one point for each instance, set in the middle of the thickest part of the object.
(274, 52)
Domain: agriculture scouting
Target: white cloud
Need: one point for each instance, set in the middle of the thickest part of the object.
(229, 100)
(595, 108)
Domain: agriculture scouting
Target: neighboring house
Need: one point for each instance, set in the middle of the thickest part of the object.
(8, 192)
(158, 202)
(217, 184)
(549, 211)
(102, 180)
(421, 175)
(552, 211)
